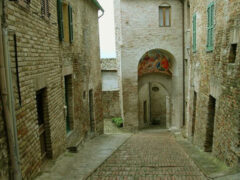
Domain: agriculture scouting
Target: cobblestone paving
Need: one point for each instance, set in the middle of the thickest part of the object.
(149, 155)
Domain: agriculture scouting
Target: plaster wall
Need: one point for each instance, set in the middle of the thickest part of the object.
(109, 81)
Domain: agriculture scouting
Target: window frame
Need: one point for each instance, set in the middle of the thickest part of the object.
(65, 28)
(210, 26)
(163, 8)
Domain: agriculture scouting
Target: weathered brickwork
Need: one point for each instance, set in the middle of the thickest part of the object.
(109, 64)
(212, 74)
(111, 105)
(4, 161)
(43, 62)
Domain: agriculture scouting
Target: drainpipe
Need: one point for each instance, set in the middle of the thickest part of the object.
(7, 96)
(101, 14)
(184, 95)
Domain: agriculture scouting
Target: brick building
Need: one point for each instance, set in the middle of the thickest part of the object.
(213, 96)
(53, 51)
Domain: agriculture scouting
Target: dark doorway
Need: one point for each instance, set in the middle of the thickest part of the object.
(194, 113)
(210, 124)
(91, 111)
(68, 103)
(42, 116)
(158, 106)
(145, 111)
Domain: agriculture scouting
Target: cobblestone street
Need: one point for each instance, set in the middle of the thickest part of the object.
(150, 154)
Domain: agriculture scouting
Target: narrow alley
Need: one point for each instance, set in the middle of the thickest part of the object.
(149, 154)
(119, 89)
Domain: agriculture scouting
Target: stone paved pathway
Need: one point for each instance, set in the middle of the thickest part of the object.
(150, 154)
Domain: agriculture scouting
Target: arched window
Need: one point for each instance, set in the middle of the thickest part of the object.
(164, 15)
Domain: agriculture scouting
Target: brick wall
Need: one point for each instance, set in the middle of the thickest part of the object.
(3, 147)
(212, 74)
(111, 104)
(43, 62)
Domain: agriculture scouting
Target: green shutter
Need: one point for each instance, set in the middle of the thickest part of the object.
(60, 19)
(194, 45)
(210, 28)
(70, 23)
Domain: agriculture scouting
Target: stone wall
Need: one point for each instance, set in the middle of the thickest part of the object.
(137, 32)
(43, 61)
(111, 104)
(212, 74)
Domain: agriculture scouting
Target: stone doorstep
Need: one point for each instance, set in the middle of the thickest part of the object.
(210, 166)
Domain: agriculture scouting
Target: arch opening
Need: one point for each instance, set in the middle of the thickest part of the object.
(155, 70)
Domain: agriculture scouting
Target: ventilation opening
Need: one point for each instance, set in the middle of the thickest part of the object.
(43, 123)
(145, 111)
(210, 124)
(91, 111)
(194, 113)
(68, 103)
(233, 53)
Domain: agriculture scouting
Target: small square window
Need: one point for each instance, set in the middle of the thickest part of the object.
(233, 53)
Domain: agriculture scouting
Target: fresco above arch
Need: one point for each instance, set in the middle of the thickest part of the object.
(154, 62)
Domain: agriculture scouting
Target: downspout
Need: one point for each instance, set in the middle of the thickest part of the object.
(7, 96)
(183, 39)
(101, 14)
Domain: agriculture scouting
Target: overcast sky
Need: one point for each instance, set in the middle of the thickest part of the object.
(107, 31)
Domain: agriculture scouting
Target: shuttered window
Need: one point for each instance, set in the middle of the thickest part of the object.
(210, 26)
(65, 21)
(194, 42)
(60, 19)
(70, 20)
(45, 8)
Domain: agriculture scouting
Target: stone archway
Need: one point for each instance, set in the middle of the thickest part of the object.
(155, 71)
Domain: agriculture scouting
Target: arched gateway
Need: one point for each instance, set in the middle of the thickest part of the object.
(155, 70)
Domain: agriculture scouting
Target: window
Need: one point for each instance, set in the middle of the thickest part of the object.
(65, 21)
(45, 8)
(233, 53)
(210, 26)
(194, 43)
(165, 16)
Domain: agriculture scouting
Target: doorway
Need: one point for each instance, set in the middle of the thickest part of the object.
(158, 109)
(68, 103)
(42, 117)
(210, 124)
(194, 113)
(91, 111)
(145, 115)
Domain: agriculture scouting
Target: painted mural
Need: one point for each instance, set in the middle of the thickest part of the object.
(154, 62)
